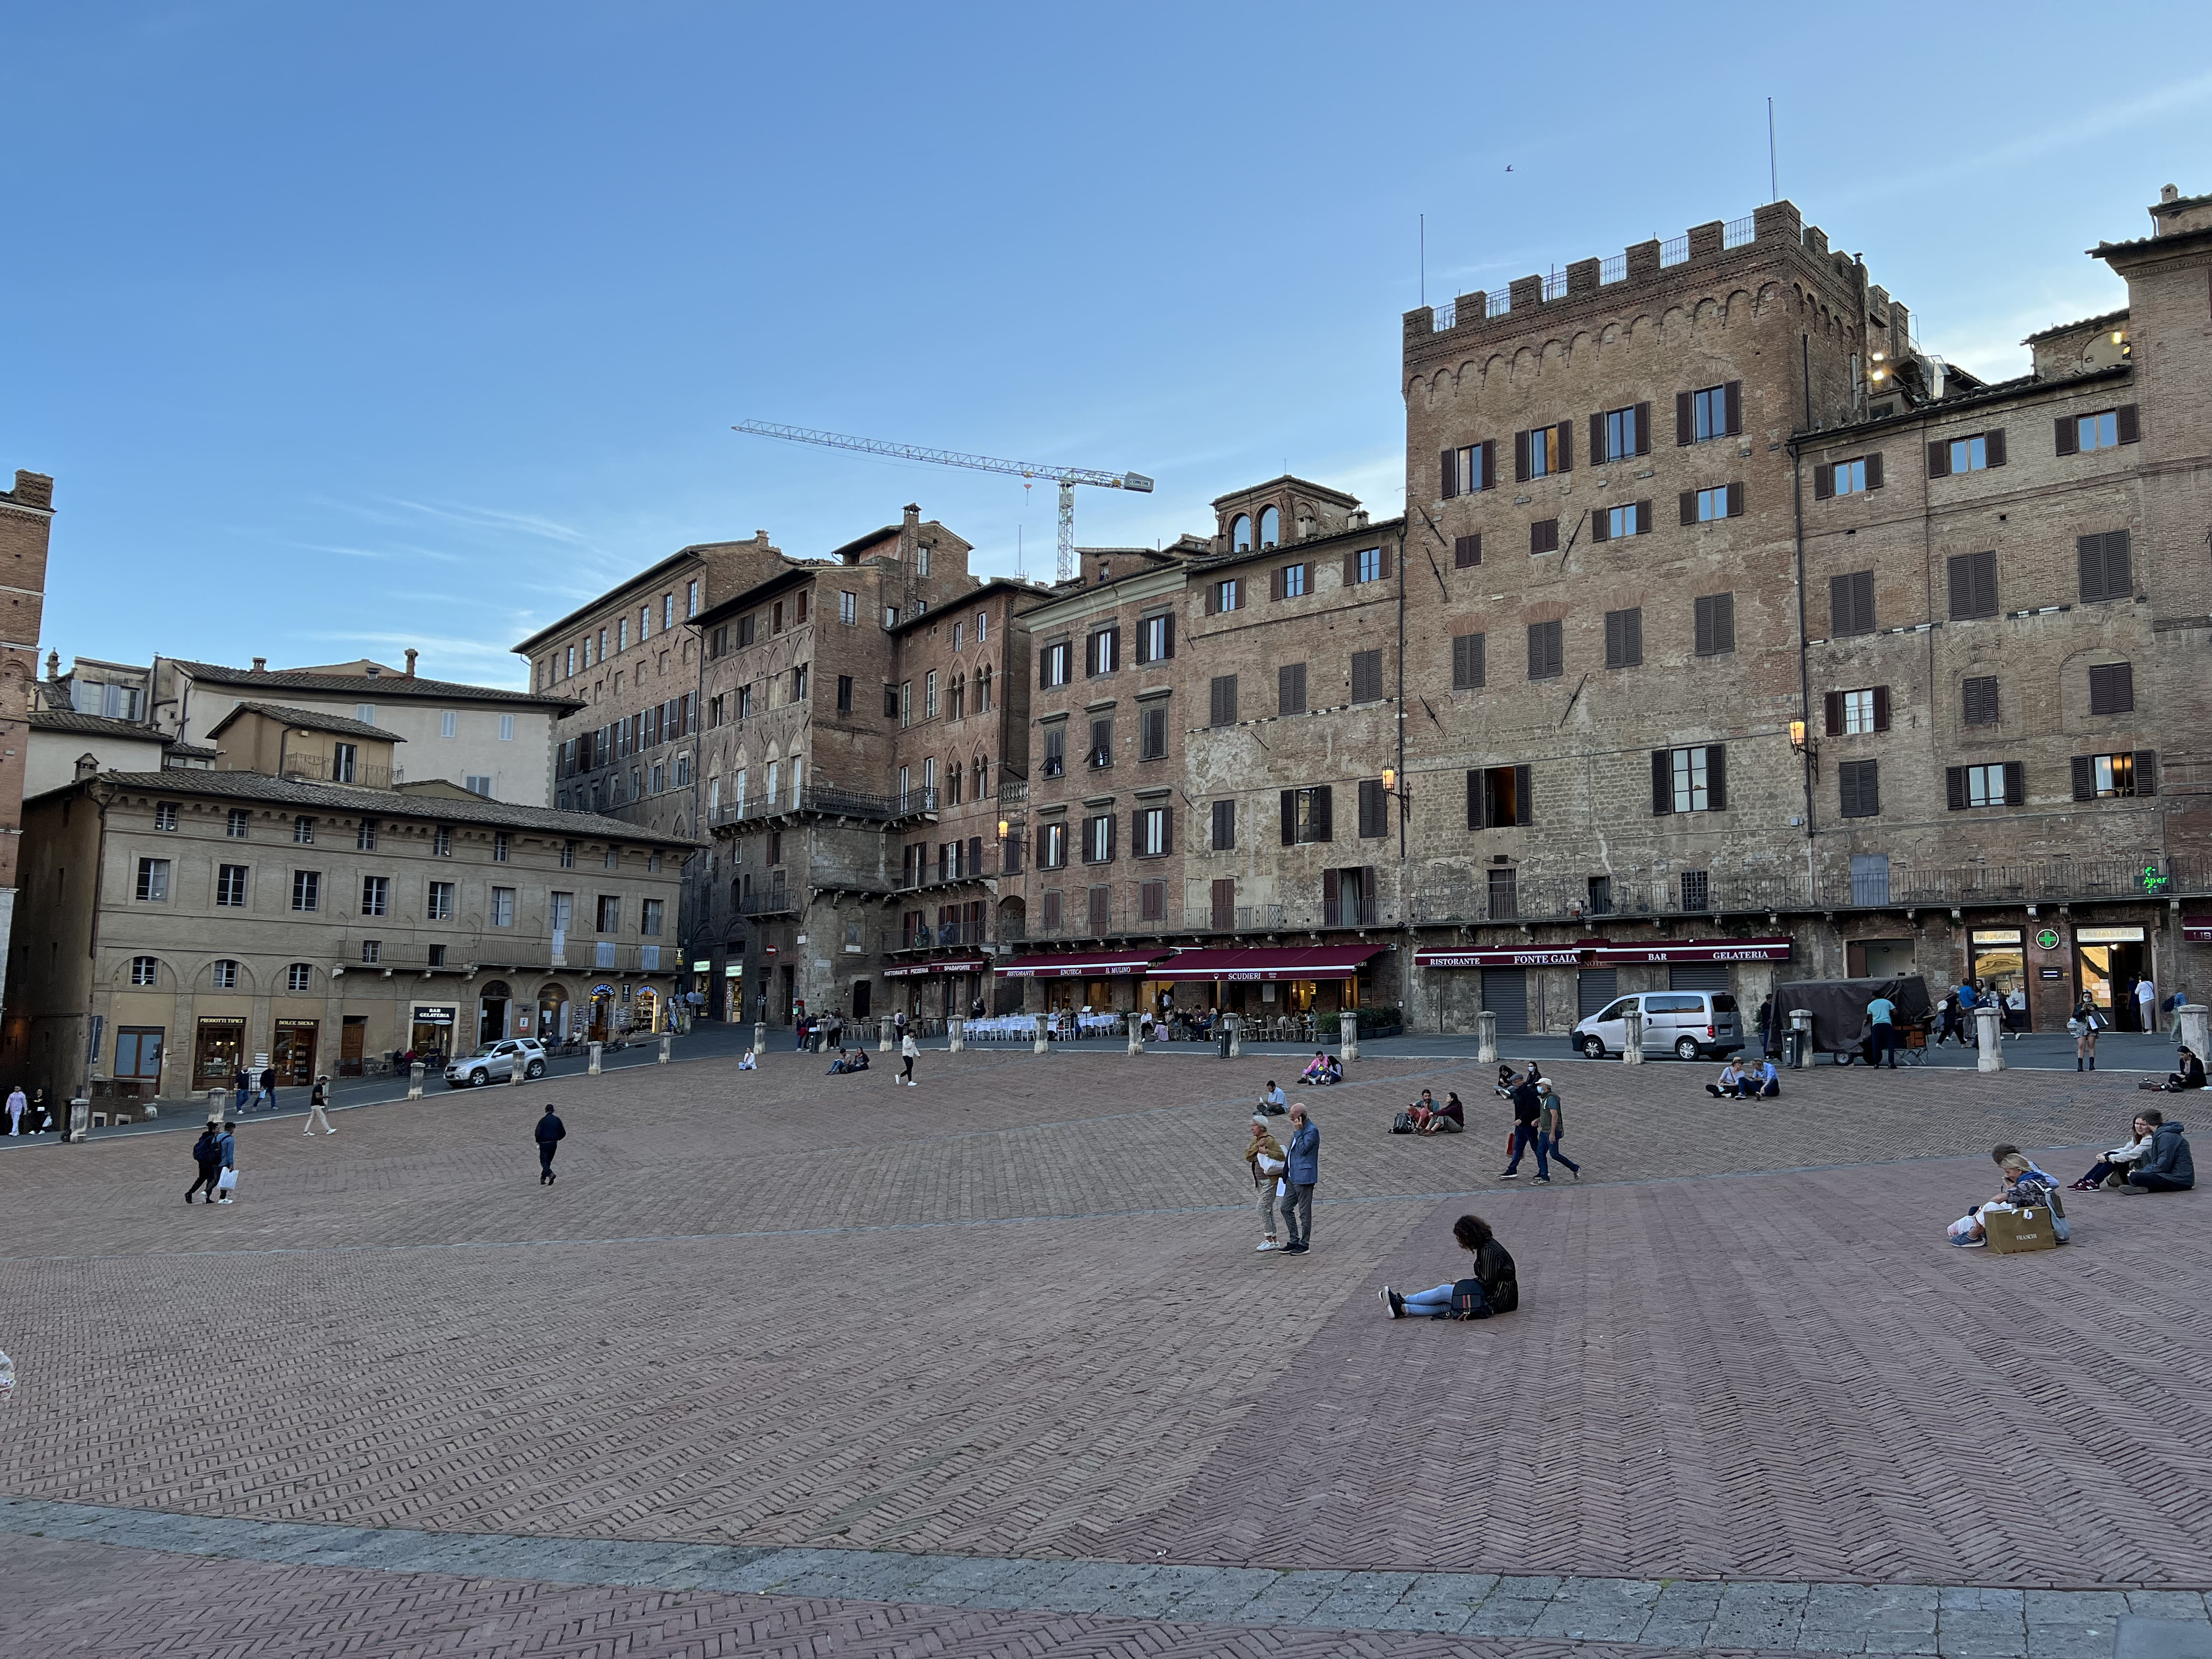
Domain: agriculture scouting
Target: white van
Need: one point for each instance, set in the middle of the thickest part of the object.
(1688, 1024)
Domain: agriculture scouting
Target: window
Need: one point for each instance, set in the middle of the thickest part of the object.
(230, 886)
(1152, 896)
(1155, 639)
(691, 599)
(1101, 743)
(1858, 783)
(1057, 663)
(1504, 905)
(1099, 839)
(1618, 434)
(2104, 565)
(1152, 724)
(608, 916)
(1853, 714)
(303, 830)
(1543, 451)
(1240, 534)
(1225, 826)
(921, 560)
(153, 881)
(650, 912)
(1713, 412)
(1469, 668)
(1367, 677)
(1102, 653)
(365, 712)
(1716, 625)
(1973, 585)
(1374, 811)
(440, 907)
(447, 722)
(747, 627)
(1624, 638)
(2113, 689)
(1694, 780)
(502, 907)
(1544, 536)
(644, 623)
(1703, 506)
(1306, 816)
(1599, 891)
(2106, 429)
(371, 952)
(307, 890)
(1052, 847)
(1850, 604)
(226, 975)
(1696, 890)
(568, 849)
(241, 819)
(983, 690)
(1497, 796)
(500, 843)
(506, 728)
(1999, 784)
(1611, 523)
(844, 694)
(165, 815)
(611, 859)
(2105, 777)
(345, 762)
(1270, 527)
(1466, 551)
(1469, 470)
(442, 842)
(1979, 697)
(1544, 661)
(145, 970)
(1222, 710)
(477, 783)
(667, 611)
(1291, 689)
(1947, 456)
(1055, 750)
(375, 895)
(1154, 832)
(1223, 595)
(799, 682)
(1368, 566)
(1852, 478)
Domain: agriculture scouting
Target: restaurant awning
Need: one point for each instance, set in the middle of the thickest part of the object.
(1093, 965)
(1604, 951)
(950, 965)
(1304, 962)
(1570, 957)
(2198, 930)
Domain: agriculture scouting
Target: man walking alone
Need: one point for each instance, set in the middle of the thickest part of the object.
(211, 1164)
(1303, 1156)
(17, 1102)
(551, 1131)
(318, 1098)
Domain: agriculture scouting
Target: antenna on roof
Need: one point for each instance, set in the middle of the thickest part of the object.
(1773, 176)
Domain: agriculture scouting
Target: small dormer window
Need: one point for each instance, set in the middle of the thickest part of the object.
(1240, 534)
(1270, 527)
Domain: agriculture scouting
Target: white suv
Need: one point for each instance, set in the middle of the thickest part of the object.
(496, 1064)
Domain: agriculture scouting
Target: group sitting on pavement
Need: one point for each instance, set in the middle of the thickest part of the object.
(854, 1059)
(1425, 1117)
(1324, 1069)
(2168, 1167)
(1739, 1082)
(1492, 1288)
(2111, 1170)
(2025, 1187)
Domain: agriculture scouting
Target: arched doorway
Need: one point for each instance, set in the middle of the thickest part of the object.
(491, 1015)
(644, 1011)
(552, 1013)
(600, 1025)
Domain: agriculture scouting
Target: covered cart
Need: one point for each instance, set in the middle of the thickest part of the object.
(1840, 1025)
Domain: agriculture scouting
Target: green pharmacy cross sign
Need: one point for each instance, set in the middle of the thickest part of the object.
(2047, 938)
(2156, 880)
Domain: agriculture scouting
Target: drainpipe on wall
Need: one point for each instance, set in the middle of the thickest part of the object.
(1804, 650)
(92, 953)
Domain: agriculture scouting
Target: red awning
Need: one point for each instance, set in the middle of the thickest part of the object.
(953, 965)
(1310, 962)
(1077, 966)
(1572, 957)
(1774, 949)
(2198, 930)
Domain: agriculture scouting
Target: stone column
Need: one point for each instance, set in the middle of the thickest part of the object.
(1041, 1043)
(1136, 1034)
(1485, 1029)
(1990, 1033)
(1632, 1041)
(956, 1036)
(216, 1098)
(1235, 1035)
(79, 1120)
(415, 1081)
(884, 1027)
(592, 1066)
(760, 1038)
(2196, 1027)
(1348, 1031)
(664, 1041)
(521, 1065)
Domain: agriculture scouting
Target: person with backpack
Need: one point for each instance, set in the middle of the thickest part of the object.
(2025, 1186)
(1528, 1106)
(1552, 1128)
(226, 1151)
(550, 1134)
(1492, 1289)
(1264, 1153)
(208, 1157)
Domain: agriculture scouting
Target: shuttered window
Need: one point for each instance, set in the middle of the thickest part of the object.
(1544, 536)
(1716, 625)
(1291, 689)
(1851, 477)
(1624, 638)
(1949, 455)
(1609, 524)
(1367, 676)
(1850, 604)
(1973, 585)
(1469, 470)
(1543, 451)
(1978, 696)
(1155, 639)
(1468, 669)
(1466, 552)
(2103, 777)
(2106, 429)
(1694, 780)
(2113, 689)
(1222, 710)
(1545, 661)
(1498, 796)
(2105, 567)
(1373, 816)
(1859, 784)
(1851, 713)
(1714, 412)
(1999, 783)
(1618, 434)
(1306, 816)
(1225, 826)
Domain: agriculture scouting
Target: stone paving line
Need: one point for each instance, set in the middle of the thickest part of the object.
(1949, 1621)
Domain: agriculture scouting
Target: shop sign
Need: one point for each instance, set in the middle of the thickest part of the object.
(2108, 936)
(2198, 930)
(702, 967)
(433, 1016)
(1498, 959)
(2046, 938)
(2009, 936)
(735, 971)
(2051, 973)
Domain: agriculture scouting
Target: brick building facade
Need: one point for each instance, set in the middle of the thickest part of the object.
(26, 514)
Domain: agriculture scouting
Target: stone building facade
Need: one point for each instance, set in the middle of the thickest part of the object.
(26, 514)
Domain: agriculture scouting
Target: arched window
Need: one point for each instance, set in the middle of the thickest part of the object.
(301, 977)
(954, 778)
(226, 975)
(1271, 526)
(145, 970)
(983, 690)
(982, 778)
(1240, 534)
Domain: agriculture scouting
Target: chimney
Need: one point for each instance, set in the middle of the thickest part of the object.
(86, 766)
(53, 664)
(410, 662)
(372, 670)
(31, 490)
(261, 664)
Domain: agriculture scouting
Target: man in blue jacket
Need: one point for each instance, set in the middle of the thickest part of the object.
(550, 1133)
(1303, 1156)
(2168, 1168)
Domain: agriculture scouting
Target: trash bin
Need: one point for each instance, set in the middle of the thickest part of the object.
(1793, 1049)
(1221, 1041)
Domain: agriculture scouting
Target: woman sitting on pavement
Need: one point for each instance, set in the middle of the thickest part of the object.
(2169, 1168)
(2190, 1075)
(2024, 1185)
(856, 1061)
(1493, 1269)
(2115, 1164)
(1325, 1069)
(1731, 1084)
(1448, 1119)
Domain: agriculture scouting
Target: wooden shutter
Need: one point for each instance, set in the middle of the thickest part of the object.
(1615, 649)
(1704, 608)
(1544, 536)
(1643, 428)
(1824, 480)
(1167, 636)
(1489, 478)
(1980, 697)
(1291, 689)
(1689, 504)
(1642, 517)
(1993, 447)
(2015, 783)
(1352, 570)
(2089, 562)
(1290, 817)
(1224, 895)
(1451, 470)
(2129, 425)
(1881, 708)
(1324, 826)
(1383, 563)
(1734, 393)
(1466, 551)
(2085, 777)
(2146, 771)
(1599, 456)
(1523, 807)
(2068, 439)
(1567, 445)
(1716, 777)
(2119, 578)
(1955, 782)
(1043, 832)
(1839, 605)
(2112, 689)
(1474, 800)
(1275, 583)
(1833, 706)
(1213, 598)
(1662, 782)
(1874, 471)
(1520, 458)
(1332, 908)
(1686, 430)
(1600, 524)
(1371, 797)
(1862, 619)
(1469, 670)
(1962, 585)
(1939, 466)
(1735, 500)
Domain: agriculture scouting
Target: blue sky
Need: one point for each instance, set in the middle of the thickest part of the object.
(348, 328)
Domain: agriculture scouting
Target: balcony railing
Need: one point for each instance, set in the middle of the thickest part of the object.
(319, 768)
(931, 874)
(1236, 919)
(778, 899)
(928, 936)
(828, 802)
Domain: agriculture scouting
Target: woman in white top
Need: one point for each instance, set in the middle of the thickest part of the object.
(2116, 1164)
(1730, 1086)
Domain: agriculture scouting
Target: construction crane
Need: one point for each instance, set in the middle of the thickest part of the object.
(1066, 476)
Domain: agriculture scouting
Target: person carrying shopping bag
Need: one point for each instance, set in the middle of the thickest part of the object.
(1264, 1153)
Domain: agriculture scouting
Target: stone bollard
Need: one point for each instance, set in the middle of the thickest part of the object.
(1043, 1043)
(1136, 1035)
(151, 1110)
(215, 1099)
(1485, 1034)
(1801, 1023)
(2196, 1027)
(591, 1065)
(760, 1038)
(80, 1119)
(1632, 1041)
(956, 1036)
(1989, 1032)
(521, 1065)
(1348, 1030)
(1235, 1035)
(884, 1025)
(415, 1081)
(666, 1042)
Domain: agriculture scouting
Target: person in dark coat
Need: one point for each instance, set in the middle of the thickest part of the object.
(2169, 1169)
(2190, 1075)
(1494, 1268)
(551, 1131)
(207, 1154)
